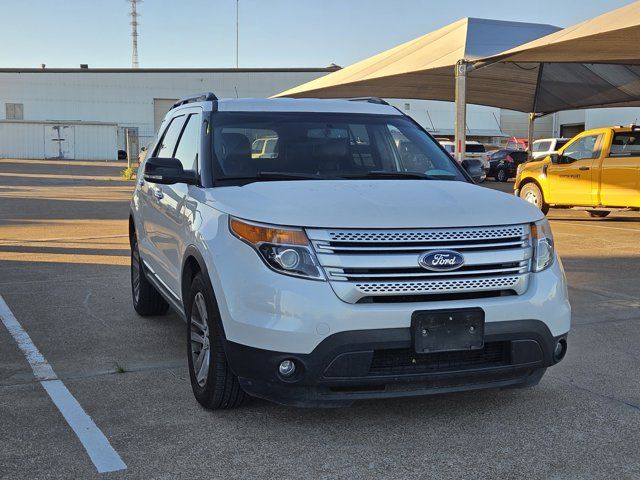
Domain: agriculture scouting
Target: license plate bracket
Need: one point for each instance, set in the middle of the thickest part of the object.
(448, 330)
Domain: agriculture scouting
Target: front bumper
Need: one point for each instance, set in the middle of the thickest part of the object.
(366, 364)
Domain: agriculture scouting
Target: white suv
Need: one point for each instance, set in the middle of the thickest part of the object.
(546, 146)
(355, 260)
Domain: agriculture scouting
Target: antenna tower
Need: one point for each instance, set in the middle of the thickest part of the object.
(134, 32)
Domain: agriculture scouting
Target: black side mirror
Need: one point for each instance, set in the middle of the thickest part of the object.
(168, 171)
(556, 158)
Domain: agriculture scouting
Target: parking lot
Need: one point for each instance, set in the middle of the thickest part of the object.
(64, 275)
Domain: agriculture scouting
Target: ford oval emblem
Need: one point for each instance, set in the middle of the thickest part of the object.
(441, 260)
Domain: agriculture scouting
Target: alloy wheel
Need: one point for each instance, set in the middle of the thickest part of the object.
(531, 197)
(200, 345)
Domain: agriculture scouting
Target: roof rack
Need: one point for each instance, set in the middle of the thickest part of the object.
(376, 100)
(201, 97)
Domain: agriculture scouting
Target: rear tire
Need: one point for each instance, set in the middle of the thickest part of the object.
(214, 385)
(598, 213)
(531, 193)
(147, 301)
(502, 176)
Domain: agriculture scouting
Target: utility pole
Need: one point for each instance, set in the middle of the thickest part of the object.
(237, 32)
(134, 33)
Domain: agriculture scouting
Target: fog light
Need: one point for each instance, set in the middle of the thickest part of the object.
(560, 350)
(287, 368)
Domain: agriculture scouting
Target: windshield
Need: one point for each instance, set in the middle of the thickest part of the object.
(274, 145)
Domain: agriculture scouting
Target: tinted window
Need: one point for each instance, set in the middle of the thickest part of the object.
(475, 148)
(519, 156)
(583, 148)
(169, 139)
(324, 146)
(541, 146)
(189, 144)
(626, 145)
(499, 155)
(561, 143)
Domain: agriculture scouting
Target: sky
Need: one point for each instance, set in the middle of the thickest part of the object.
(273, 33)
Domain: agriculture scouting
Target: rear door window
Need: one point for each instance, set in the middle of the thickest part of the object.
(625, 145)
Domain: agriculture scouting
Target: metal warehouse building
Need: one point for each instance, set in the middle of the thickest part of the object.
(83, 113)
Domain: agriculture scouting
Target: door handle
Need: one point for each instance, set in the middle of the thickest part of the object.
(584, 168)
(158, 194)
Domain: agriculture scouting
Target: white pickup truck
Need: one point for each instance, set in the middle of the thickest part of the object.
(356, 260)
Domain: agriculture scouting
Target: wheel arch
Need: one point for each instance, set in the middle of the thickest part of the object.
(192, 264)
(132, 230)
(528, 180)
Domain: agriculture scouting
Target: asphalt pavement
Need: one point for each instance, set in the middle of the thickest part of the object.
(64, 276)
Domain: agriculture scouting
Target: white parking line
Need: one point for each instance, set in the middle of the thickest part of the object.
(102, 454)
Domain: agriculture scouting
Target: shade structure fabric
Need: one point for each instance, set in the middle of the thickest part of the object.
(593, 64)
(424, 68)
(613, 38)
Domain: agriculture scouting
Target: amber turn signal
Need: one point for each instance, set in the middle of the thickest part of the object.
(257, 234)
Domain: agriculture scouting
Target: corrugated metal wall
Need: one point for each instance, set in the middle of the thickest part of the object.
(81, 141)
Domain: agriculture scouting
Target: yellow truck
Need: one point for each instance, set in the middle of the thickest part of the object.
(597, 171)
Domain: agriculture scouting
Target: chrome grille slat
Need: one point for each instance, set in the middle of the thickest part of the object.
(340, 275)
(422, 247)
(371, 263)
(423, 235)
(437, 286)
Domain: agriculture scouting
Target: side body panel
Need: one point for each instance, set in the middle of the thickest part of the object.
(619, 178)
(577, 183)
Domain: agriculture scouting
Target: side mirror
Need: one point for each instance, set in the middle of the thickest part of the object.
(168, 171)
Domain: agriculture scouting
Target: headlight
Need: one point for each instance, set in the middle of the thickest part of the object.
(285, 250)
(542, 241)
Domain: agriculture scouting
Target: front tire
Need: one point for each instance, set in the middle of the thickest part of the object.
(147, 301)
(213, 383)
(531, 193)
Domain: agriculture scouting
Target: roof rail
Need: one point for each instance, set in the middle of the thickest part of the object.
(377, 100)
(201, 97)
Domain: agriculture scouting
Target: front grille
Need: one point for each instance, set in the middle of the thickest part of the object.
(438, 286)
(406, 361)
(394, 236)
(378, 263)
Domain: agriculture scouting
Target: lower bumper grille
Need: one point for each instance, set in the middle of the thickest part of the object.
(406, 361)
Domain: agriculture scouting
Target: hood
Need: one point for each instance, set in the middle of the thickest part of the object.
(371, 204)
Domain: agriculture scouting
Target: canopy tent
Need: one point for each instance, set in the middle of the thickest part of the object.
(424, 68)
(593, 64)
(544, 70)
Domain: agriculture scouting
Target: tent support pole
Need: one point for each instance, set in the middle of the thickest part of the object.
(461, 109)
(532, 121)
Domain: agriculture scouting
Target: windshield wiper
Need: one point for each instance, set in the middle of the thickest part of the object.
(274, 176)
(291, 176)
(393, 175)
